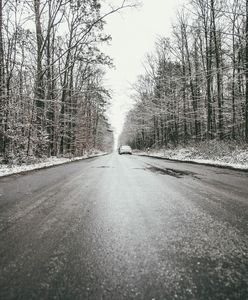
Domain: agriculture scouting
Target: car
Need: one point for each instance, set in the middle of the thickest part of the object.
(125, 150)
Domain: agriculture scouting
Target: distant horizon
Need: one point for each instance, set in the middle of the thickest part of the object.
(134, 32)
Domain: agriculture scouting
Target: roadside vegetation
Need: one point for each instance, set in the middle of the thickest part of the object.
(52, 95)
(194, 89)
(226, 154)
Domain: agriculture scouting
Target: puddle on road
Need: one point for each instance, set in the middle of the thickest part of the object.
(171, 172)
(166, 171)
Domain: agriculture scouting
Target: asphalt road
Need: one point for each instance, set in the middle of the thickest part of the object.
(124, 227)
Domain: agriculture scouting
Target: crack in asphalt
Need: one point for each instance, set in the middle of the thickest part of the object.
(104, 167)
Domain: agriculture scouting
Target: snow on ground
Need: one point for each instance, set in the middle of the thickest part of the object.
(236, 158)
(52, 161)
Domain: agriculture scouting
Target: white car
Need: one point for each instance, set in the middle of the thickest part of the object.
(125, 150)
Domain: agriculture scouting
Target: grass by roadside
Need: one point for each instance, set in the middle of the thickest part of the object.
(213, 153)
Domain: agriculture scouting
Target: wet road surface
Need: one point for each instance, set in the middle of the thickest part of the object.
(124, 227)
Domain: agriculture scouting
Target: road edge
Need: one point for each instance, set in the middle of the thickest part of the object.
(194, 162)
(51, 166)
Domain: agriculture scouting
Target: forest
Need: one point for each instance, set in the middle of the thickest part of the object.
(52, 96)
(194, 86)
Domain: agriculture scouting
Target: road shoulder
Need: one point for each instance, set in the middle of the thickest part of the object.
(203, 162)
(6, 170)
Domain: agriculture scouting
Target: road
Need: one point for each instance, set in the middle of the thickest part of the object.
(124, 227)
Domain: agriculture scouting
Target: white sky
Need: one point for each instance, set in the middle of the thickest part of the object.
(134, 32)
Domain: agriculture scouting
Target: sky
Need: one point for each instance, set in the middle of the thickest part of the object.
(134, 33)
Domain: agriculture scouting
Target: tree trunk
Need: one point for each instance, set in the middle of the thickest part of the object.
(233, 84)
(209, 82)
(185, 131)
(246, 74)
(218, 65)
(2, 85)
(192, 87)
(39, 92)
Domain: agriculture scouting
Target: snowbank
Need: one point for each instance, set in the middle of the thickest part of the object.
(219, 155)
(52, 161)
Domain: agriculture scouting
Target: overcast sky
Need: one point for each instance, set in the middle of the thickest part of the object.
(134, 32)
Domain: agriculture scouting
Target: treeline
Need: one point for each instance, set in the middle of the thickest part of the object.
(52, 97)
(195, 84)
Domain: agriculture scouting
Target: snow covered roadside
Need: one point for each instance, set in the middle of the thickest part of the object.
(49, 162)
(236, 159)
